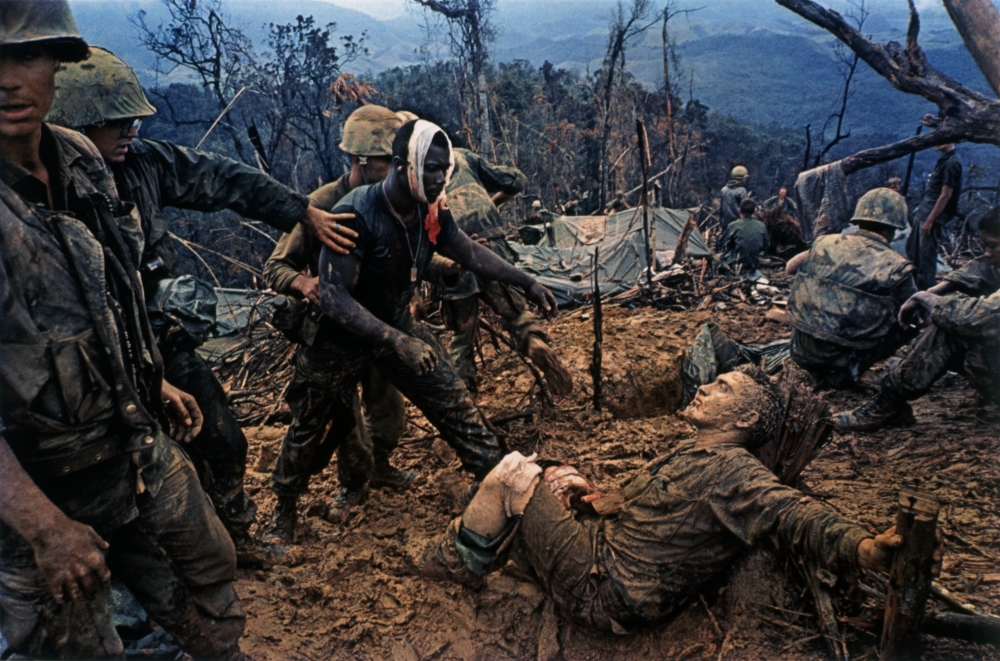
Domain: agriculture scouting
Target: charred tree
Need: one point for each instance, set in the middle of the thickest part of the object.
(964, 115)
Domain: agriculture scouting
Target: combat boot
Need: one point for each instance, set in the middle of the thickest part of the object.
(887, 408)
(254, 553)
(281, 528)
(340, 509)
(387, 475)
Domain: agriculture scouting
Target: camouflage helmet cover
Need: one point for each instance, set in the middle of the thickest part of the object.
(881, 205)
(739, 172)
(48, 22)
(100, 89)
(369, 131)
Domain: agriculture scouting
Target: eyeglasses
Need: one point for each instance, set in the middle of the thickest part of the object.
(125, 126)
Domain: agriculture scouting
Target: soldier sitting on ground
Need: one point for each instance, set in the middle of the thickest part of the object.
(744, 241)
(684, 519)
(961, 317)
(102, 98)
(616, 205)
(847, 292)
(786, 204)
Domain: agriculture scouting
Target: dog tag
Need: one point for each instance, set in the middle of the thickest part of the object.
(413, 273)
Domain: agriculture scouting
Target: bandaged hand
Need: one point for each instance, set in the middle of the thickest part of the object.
(571, 488)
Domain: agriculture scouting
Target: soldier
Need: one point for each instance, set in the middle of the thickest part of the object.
(732, 195)
(475, 191)
(895, 184)
(961, 317)
(683, 521)
(787, 204)
(938, 205)
(847, 292)
(293, 268)
(103, 99)
(368, 292)
(744, 241)
(90, 484)
(616, 205)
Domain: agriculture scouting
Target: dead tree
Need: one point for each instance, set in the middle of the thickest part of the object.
(598, 356)
(964, 115)
(471, 34)
(626, 24)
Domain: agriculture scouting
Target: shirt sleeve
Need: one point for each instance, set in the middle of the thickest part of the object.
(969, 316)
(293, 255)
(753, 505)
(499, 178)
(359, 225)
(449, 228)
(202, 181)
(953, 175)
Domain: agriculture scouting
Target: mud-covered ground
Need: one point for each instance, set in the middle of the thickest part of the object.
(351, 596)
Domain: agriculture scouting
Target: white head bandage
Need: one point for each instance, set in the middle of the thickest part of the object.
(420, 143)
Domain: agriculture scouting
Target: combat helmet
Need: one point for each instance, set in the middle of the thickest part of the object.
(537, 204)
(50, 23)
(100, 89)
(883, 206)
(369, 131)
(739, 172)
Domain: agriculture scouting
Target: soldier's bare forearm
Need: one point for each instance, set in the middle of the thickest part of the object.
(482, 261)
(338, 275)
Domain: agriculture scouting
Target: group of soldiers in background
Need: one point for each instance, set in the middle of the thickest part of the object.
(100, 379)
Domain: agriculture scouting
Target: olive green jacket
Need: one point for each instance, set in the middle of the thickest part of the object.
(79, 371)
(156, 175)
(731, 195)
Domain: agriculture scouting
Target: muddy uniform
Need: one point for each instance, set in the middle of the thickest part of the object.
(844, 303)
(326, 374)
(80, 385)
(923, 250)
(473, 183)
(965, 337)
(385, 418)
(156, 175)
(731, 195)
(685, 519)
(743, 242)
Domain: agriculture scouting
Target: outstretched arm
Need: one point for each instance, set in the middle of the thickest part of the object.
(482, 261)
(338, 276)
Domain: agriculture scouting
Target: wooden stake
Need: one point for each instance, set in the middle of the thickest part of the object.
(910, 575)
(643, 139)
(598, 355)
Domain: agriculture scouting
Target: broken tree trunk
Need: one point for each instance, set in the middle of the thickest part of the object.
(964, 115)
(910, 575)
(598, 355)
(640, 130)
(982, 629)
(680, 251)
(978, 21)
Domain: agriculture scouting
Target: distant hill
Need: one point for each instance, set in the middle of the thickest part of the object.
(755, 61)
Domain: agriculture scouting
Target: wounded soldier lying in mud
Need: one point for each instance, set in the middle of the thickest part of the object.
(681, 521)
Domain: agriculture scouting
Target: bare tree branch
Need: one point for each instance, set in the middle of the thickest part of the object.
(978, 21)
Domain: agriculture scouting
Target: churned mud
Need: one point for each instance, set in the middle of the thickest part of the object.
(351, 595)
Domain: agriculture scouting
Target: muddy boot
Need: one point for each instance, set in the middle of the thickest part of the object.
(281, 528)
(556, 375)
(387, 475)
(254, 553)
(887, 408)
(340, 509)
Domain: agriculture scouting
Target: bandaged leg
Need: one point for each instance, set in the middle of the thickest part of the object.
(503, 495)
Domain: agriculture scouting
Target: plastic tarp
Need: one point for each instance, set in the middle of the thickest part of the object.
(563, 261)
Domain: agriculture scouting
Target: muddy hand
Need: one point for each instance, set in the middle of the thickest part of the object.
(544, 299)
(876, 554)
(184, 414)
(71, 558)
(328, 229)
(306, 287)
(417, 355)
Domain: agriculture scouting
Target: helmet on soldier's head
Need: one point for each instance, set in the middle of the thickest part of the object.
(369, 131)
(537, 204)
(406, 115)
(881, 205)
(49, 23)
(739, 172)
(99, 89)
